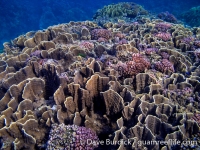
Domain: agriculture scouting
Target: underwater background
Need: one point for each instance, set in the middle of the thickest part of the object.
(19, 17)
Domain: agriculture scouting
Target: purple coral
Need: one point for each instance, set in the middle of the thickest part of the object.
(123, 41)
(163, 26)
(87, 45)
(164, 36)
(100, 33)
(66, 137)
(36, 53)
(150, 51)
(187, 40)
(197, 43)
(164, 66)
(166, 16)
(164, 55)
(131, 68)
(187, 91)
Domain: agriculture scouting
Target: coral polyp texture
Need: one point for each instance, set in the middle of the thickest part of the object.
(71, 137)
(100, 33)
(79, 82)
(121, 11)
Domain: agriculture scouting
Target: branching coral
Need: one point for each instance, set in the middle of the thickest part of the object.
(71, 137)
(164, 36)
(165, 66)
(100, 33)
(130, 68)
(164, 55)
(87, 45)
(150, 51)
(163, 26)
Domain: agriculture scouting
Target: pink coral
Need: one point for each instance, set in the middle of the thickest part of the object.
(71, 137)
(163, 26)
(87, 45)
(196, 117)
(131, 68)
(100, 33)
(139, 59)
(102, 40)
(164, 36)
(164, 66)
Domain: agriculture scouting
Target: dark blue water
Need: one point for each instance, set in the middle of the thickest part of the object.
(19, 17)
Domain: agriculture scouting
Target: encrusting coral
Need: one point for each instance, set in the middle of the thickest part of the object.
(123, 81)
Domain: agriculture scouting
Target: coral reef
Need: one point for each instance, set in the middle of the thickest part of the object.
(124, 11)
(164, 66)
(166, 16)
(163, 26)
(196, 118)
(138, 64)
(191, 17)
(71, 137)
(164, 36)
(122, 81)
(100, 33)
